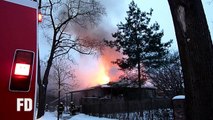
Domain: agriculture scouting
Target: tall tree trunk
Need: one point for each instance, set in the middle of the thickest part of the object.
(43, 84)
(59, 96)
(196, 53)
(41, 103)
(139, 72)
(139, 68)
(43, 90)
(41, 96)
(138, 58)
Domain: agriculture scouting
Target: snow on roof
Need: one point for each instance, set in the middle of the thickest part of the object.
(87, 117)
(178, 97)
(105, 85)
(151, 87)
(148, 84)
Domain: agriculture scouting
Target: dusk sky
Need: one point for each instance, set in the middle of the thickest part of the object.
(116, 12)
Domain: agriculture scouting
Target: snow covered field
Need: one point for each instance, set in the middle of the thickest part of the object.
(147, 115)
(53, 116)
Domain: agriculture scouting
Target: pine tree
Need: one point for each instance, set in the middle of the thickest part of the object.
(138, 41)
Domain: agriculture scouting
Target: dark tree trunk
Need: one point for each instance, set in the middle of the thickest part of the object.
(43, 90)
(196, 53)
(139, 67)
(59, 96)
(43, 84)
(41, 105)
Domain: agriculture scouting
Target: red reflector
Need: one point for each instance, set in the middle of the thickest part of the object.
(22, 69)
(39, 17)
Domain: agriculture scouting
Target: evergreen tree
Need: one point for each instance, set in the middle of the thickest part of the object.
(138, 41)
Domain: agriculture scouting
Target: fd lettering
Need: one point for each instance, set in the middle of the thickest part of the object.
(24, 104)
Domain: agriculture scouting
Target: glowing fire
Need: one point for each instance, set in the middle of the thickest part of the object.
(105, 79)
(93, 72)
(102, 76)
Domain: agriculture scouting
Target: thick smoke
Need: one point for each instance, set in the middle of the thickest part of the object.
(93, 68)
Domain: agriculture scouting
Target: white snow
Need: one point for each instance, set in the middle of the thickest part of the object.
(178, 97)
(48, 116)
(105, 86)
(87, 117)
(148, 84)
(53, 116)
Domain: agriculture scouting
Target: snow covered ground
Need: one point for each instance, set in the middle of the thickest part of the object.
(53, 116)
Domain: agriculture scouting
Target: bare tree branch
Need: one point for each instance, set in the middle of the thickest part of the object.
(59, 15)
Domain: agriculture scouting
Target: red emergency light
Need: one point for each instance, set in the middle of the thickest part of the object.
(21, 72)
(22, 69)
(39, 16)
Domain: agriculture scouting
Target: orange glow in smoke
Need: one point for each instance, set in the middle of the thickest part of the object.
(102, 76)
(94, 72)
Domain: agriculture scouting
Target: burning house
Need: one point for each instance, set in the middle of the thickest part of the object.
(112, 93)
(106, 99)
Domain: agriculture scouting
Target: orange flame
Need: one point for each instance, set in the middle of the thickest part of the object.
(93, 72)
(105, 73)
(102, 75)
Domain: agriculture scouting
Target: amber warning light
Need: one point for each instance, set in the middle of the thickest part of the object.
(21, 70)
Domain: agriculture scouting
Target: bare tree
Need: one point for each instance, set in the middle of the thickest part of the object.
(62, 77)
(196, 53)
(59, 16)
(169, 78)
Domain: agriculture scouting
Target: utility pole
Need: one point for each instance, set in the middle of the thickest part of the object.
(196, 54)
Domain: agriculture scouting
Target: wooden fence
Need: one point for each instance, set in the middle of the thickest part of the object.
(108, 106)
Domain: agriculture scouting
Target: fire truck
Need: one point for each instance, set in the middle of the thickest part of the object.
(18, 59)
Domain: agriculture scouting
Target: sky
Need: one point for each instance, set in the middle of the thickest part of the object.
(89, 68)
(116, 12)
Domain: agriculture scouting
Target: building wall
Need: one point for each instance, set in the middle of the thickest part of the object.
(113, 93)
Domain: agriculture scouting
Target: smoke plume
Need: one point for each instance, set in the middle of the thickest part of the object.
(96, 69)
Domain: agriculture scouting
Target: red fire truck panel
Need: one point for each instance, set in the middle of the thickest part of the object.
(18, 59)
